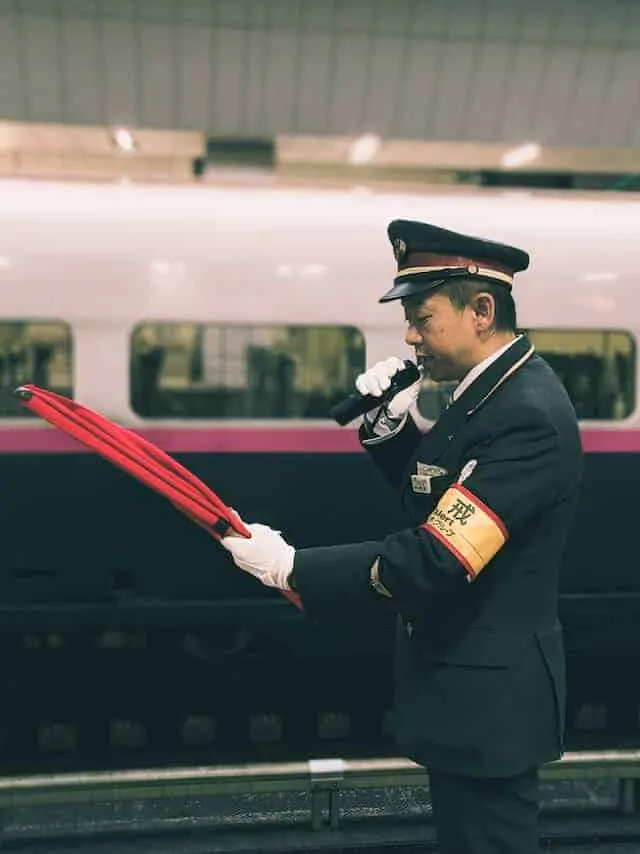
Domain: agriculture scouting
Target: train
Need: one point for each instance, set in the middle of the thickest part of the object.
(223, 323)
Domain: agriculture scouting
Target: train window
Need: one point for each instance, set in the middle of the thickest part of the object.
(33, 351)
(190, 370)
(597, 367)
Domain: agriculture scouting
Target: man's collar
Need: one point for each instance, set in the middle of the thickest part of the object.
(475, 372)
(500, 366)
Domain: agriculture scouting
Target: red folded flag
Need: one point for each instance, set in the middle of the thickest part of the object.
(141, 459)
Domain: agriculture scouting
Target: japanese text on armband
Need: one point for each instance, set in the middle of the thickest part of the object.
(468, 528)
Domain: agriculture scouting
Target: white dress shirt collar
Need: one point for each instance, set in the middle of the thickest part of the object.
(475, 372)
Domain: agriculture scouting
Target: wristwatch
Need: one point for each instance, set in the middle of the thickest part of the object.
(374, 580)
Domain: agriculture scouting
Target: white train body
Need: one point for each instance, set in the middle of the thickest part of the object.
(105, 257)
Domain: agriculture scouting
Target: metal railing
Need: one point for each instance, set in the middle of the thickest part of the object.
(321, 779)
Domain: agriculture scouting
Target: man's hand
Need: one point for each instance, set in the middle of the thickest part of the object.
(266, 555)
(387, 420)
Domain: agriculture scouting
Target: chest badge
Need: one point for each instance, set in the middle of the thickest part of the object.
(421, 482)
(430, 471)
(467, 470)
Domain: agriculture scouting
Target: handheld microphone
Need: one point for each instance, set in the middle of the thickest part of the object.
(357, 404)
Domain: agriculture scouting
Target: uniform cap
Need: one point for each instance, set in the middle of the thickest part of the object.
(428, 256)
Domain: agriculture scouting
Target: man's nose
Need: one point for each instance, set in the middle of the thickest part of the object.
(412, 337)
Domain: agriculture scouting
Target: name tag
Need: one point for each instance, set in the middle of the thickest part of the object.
(421, 483)
(430, 471)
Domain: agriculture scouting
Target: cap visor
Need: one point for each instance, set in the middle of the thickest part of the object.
(410, 287)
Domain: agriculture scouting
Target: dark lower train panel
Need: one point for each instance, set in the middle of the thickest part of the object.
(83, 543)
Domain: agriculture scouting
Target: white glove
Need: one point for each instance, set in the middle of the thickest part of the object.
(377, 380)
(266, 555)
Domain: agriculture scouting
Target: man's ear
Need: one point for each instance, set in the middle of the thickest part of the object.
(484, 310)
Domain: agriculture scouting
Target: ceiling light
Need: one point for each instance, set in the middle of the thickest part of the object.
(363, 149)
(522, 154)
(123, 139)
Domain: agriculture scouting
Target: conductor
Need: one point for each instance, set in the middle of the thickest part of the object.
(489, 491)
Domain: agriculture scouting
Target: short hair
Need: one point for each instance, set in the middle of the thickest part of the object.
(461, 291)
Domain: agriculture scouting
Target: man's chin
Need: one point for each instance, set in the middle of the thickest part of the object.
(431, 371)
(440, 374)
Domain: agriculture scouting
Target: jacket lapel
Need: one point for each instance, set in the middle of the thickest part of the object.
(495, 375)
(437, 440)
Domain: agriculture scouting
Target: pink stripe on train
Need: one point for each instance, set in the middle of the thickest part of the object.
(47, 440)
(238, 440)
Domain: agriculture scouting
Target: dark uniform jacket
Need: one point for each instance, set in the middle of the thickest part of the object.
(490, 492)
